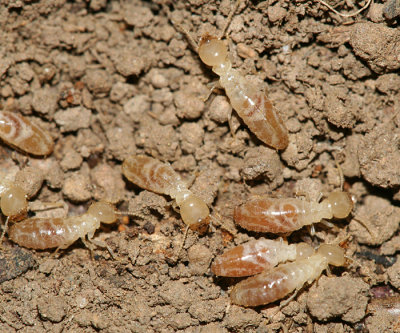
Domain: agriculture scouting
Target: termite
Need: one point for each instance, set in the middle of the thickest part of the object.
(250, 101)
(153, 175)
(258, 255)
(20, 133)
(282, 215)
(275, 283)
(60, 233)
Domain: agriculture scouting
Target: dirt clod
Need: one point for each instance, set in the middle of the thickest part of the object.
(345, 297)
(52, 308)
(378, 45)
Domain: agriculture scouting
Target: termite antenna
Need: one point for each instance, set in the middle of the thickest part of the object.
(43, 206)
(193, 44)
(341, 177)
(128, 213)
(369, 228)
(229, 19)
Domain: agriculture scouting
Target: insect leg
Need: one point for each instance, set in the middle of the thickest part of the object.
(91, 243)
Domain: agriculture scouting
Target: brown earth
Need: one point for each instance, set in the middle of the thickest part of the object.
(109, 79)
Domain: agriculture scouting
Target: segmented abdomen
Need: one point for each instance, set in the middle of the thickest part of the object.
(271, 215)
(19, 132)
(42, 233)
(151, 174)
(275, 283)
(256, 110)
(253, 257)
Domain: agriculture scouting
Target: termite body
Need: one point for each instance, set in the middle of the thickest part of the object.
(282, 215)
(19, 132)
(249, 101)
(153, 175)
(275, 283)
(258, 255)
(60, 233)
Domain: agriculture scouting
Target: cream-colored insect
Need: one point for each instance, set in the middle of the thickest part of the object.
(153, 175)
(282, 215)
(274, 283)
(21, 133)
(249, 101)
(258, 255)
(60, 233)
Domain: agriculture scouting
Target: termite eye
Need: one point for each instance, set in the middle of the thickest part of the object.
(333, 253)
(103, 211)
(212, 52)
(341, 204)
(194, 210)
(13, 201)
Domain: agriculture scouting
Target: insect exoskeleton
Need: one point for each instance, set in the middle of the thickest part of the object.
(153, 175)
(249, 101)
(282, 215)
(21, 133)
(13, 202)
(46, 233)
(275, 283)
(258, 255)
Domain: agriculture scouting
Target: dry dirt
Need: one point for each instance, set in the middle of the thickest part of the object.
(109, 79)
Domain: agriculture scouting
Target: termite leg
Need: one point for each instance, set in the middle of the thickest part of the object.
(62, 247)
(53, 255)
(287, 301)
(328, 272)
(327, 223)
(91, 243)
(312, 230)
(182, 243)
(212, 86)
(102, 244)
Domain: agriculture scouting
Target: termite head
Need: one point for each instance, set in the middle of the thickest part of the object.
(195, 213)
(303, 251)
(103, 212)
(212, 51)
(341, 204)
(333, 253)
(13, 203)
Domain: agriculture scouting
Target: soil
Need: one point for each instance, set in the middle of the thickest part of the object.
(109, 79)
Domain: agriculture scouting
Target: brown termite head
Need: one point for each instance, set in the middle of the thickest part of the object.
(13, 202)
(103, 212)
(341, 204)
(303, 251)
(195, 213)
(333, 253)
(212, 51)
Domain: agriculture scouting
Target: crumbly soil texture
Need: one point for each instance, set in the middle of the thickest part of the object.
(109, 79)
